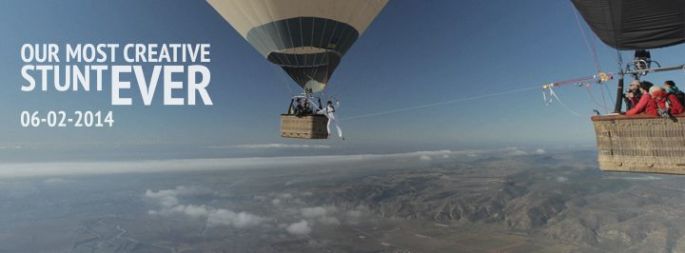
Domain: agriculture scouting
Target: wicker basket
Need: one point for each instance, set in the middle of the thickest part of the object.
(640, 144)
(307, 127)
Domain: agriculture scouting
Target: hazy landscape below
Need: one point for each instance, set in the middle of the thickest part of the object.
(507, 200)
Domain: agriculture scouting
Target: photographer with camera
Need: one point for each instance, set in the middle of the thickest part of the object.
(632, 97)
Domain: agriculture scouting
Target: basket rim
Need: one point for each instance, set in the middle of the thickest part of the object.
(633, 117)
(301, 117)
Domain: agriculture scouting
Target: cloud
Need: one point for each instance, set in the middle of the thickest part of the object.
(281, 197)
(55, 181)
(229, 218)
(299, 228)
(425, 158)
(169, 198)
(276, 146)
(354, 214)
(192, 210)
(166, 200)
(169, 203)
(15, 147)
(313, 212)
(514, 151)
(562, 179)
(322, 214)
(433, 152)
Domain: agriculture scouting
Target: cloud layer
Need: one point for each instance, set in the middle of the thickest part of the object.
(169, 203)
(299, 228)
(77, 168)
(291, 214)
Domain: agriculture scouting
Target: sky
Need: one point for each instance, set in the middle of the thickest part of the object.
(415, 53)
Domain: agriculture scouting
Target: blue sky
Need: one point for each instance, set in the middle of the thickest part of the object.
(416, 52)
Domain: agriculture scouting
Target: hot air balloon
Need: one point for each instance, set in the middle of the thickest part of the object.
(642, 143)
(306, 38)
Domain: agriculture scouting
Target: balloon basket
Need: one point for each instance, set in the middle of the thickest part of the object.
(306, 127)
(643, 144)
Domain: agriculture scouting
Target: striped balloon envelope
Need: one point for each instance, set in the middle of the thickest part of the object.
(307, 38)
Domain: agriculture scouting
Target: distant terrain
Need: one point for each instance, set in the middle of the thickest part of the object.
(508, 200)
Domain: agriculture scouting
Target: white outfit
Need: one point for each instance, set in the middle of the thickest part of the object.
(331, 120)
(328, 112)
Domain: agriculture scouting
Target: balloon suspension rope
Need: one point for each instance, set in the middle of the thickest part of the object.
(550, 96)
(590, 46)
